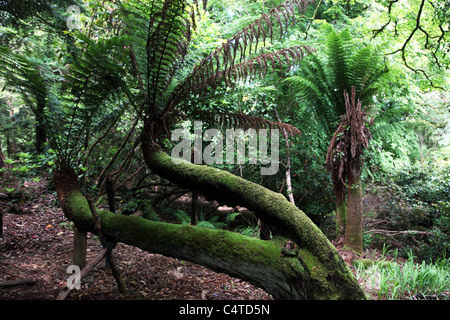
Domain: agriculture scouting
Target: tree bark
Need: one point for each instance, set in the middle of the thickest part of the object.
(353, 229)
(285, 273)
(341, 208)
(80, 247)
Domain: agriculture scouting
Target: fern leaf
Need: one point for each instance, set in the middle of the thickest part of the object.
(243, 121)
(225, 56)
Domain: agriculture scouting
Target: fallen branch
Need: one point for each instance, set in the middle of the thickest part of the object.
(390, 233)
(20, 282)
(111, 262)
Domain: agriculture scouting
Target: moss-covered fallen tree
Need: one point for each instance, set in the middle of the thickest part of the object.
(299, 263)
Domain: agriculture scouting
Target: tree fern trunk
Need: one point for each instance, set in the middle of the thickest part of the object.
(341, 208)
(353, 229)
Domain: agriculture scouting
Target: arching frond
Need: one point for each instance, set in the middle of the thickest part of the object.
(71, 102)
(315, 90)
(243, 121)
(23, 75)
(257, 66)
(158, 36)
(233, 60)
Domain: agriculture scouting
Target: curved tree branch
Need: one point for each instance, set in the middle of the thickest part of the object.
(284, 218)
(279, 266)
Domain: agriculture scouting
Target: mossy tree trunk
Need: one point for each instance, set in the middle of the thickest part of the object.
(299, 263)
(284, 218)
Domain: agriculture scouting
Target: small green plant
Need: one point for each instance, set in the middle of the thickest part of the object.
(9, 190)
(403, 280)
(249, 231)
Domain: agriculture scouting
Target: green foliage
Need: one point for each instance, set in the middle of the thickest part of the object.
(249, 231)
(320, 83)
(407, 280)
(27, 165)
(432, 190)
(417, 198)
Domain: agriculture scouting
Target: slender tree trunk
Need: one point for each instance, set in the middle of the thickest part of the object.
(264, 230)
(79, 247)
(41, 134)
(110, 193)
(288, 163)
(353, 229)
(11, 137)
(194, 200)
(2, 158)
(194, 213)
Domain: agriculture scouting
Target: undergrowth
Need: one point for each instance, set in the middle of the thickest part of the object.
(408, 280)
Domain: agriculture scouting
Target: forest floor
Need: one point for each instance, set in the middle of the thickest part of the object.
(37, 248)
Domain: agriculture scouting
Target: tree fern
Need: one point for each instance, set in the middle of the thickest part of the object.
(321, 83)
(316, 91)
(71, 105)
(338, 63)
(158, 35)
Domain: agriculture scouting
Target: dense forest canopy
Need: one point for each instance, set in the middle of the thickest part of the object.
(357, 89)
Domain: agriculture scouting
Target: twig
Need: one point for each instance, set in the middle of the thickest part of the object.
(403, 48)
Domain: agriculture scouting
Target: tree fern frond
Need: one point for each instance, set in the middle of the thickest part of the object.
(221, 64)
(256, 66)
(338, 62)
(158, 37)
(314, 89)
(321, 84)
(243, 121)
